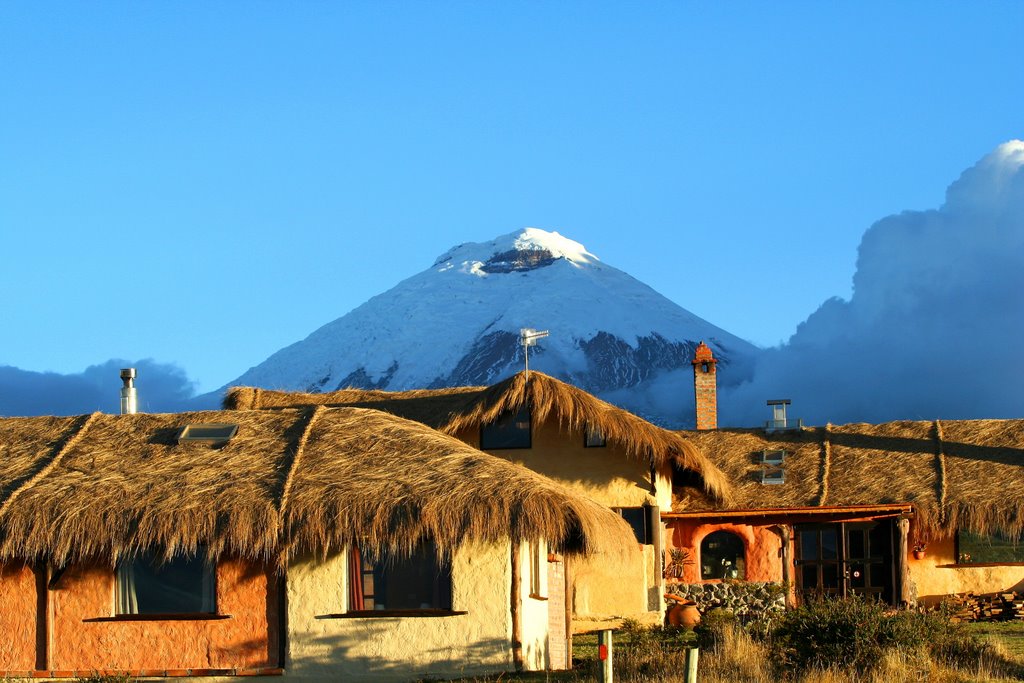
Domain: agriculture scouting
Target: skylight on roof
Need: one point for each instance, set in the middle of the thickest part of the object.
(212, 433)
(773, 467)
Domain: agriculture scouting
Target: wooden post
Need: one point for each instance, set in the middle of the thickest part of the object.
(43, 621)
(567, 570)
(908, 593)
(692, 654)
(517, 617)
(604, 654)
(784, 532)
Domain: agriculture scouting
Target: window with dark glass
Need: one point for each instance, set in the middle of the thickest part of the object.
(388, 582)
(593, 438)
(994, 548)
(722, 556)
(510, 430)
(147, 584)
(638, 518)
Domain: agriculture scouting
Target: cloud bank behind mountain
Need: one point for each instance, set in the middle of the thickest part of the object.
(934, 326)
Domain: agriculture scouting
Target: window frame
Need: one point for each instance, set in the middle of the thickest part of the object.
(208, 572)
(538, 553)
(381, 565)
(969, 561)
(734, 564)
(512, 416)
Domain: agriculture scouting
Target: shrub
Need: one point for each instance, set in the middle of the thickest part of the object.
(825, 633)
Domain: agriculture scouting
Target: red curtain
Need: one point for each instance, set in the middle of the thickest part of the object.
(355, 579)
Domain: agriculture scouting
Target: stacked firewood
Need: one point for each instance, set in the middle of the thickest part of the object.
(988, 607)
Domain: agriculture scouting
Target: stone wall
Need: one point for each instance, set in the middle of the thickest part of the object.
(745, 599)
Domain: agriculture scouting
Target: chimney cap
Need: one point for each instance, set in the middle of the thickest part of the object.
(779, 402)
(127, 373)
(703, 354)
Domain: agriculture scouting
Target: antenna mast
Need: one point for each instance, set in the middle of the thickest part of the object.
(528, 337)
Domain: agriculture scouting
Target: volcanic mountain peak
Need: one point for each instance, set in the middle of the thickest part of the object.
(526, 249)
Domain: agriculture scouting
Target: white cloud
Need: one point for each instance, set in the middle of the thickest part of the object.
(935, 323)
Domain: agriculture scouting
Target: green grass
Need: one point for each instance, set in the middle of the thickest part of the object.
(1011, 633)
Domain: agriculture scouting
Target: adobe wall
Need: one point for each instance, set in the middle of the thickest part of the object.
(17, 617)
(245, 591)
(763, 548)
(938, 574)
(401, 648)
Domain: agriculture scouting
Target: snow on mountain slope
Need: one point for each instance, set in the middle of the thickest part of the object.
(458, 322)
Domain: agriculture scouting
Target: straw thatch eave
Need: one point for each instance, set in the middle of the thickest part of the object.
(965, 474)
(102, 487)
(456, 410)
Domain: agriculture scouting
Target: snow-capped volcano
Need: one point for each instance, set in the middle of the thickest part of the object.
(458, 322)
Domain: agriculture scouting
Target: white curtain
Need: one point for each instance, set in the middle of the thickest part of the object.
(127, 600)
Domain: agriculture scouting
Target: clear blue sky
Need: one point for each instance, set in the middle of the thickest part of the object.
(204, 183)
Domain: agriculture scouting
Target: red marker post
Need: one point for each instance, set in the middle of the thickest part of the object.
(604, 653)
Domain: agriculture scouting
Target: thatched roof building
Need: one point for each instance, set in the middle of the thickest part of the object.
(289, 481)
(455, 410)
(954, 474)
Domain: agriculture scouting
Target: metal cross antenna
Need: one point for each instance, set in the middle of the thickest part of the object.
(529, 338)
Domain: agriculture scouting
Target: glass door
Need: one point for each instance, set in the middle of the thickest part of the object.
(844, 559)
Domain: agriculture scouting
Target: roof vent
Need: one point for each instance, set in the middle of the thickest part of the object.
(773, 467)
(212, 433)
(129, 398)
(779, 421)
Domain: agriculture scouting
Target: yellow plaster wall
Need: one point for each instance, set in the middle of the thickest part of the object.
(607, 474)
(401, 648)
(534, 613)
(603, 586)
(935, 576)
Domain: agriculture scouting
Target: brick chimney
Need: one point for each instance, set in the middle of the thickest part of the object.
(705, 387)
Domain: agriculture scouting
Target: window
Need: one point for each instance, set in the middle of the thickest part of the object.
(183, 585)
(593, 438)
(994, 548)
(773, 467)
(639, 519)
(212, 433)
(722, 556)
(538, 569)
(418, 582)
(510, 430)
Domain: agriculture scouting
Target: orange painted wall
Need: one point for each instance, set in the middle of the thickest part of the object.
(763, 548)
(245, 590)
(17, 618)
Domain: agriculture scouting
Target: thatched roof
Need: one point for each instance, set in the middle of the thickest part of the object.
(103, 486)
(453, 411)
(964, 473)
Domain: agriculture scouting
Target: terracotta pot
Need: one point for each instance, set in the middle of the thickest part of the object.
(918, 554)
(683, 614)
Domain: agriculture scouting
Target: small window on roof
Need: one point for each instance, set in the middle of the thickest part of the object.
(213, 433)
(510, 430)
(593, 438)
(773, 467)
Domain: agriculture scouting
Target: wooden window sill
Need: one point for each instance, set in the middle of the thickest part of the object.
(198, 616)
(538, 596)
(968, 565)
(385, 613)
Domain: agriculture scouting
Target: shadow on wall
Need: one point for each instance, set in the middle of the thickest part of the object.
(368, 652)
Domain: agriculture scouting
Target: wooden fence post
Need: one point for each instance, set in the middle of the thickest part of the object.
(692, 654)
(604, 654)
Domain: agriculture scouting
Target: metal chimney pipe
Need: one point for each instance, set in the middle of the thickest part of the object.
(129, 399)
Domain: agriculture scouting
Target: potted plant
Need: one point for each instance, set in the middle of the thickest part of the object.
(919, 549)
(679, 559)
